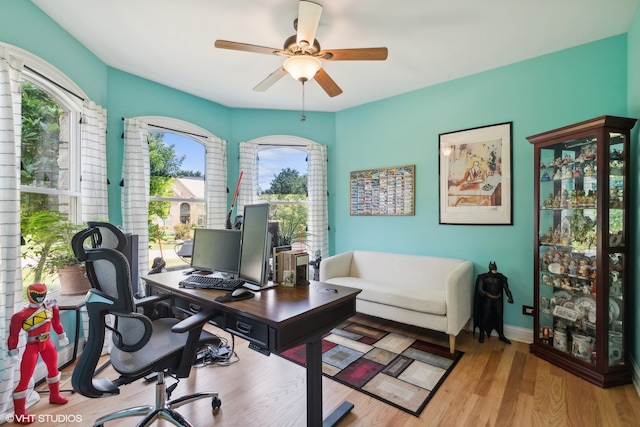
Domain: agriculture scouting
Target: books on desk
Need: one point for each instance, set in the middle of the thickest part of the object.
(291, 267)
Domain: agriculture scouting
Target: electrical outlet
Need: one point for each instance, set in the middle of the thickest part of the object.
(527, 310)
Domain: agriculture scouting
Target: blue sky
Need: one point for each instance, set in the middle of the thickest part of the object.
(270, 163)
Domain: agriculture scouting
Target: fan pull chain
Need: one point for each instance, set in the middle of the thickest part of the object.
(303, 117)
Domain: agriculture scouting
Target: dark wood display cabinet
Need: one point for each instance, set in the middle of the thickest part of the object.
(581, 195)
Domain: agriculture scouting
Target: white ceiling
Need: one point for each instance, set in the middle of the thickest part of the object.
(429, 41)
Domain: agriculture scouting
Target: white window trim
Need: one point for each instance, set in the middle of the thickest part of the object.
(188, 130)
(72, 103)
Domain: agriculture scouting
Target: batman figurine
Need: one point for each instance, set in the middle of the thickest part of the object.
(488, 307)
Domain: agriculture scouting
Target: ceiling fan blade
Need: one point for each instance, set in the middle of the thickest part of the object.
(244, 47)
(360, 54)
(327, 83)
(270, 80)
(308, 21)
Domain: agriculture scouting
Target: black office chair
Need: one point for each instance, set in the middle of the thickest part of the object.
(141, 346)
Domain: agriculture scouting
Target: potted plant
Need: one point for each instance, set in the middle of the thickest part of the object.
(47, 236)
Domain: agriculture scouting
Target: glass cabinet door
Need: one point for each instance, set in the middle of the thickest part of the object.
(581, 185)
(616, 256)
(567, 247)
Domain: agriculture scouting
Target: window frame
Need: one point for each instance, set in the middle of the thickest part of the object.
(298, 147)
(74, 110)
(37, 72)
(164, 128)
(285, 141)
(162, 124)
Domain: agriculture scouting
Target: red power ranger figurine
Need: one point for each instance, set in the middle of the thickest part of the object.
(36, 319)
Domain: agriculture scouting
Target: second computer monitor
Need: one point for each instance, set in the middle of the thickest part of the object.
(254, 249)
(216, 250)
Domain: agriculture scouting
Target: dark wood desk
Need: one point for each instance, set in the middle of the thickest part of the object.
(275, 319)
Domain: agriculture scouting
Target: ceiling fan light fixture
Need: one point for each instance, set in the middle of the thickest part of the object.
(303, 67)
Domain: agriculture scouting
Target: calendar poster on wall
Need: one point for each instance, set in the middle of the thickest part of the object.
(383, 191)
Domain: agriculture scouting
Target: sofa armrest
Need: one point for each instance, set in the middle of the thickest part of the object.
(336, 266)
(459, 296)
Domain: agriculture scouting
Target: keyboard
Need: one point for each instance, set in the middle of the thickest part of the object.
(208, 282)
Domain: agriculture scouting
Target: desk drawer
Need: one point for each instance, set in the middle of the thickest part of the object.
(248, 329)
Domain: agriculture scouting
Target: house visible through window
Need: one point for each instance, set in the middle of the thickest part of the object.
(177, 202)
(282, 180)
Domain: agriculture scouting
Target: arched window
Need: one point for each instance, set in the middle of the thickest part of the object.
(312, 234)
(45, 121)
(282, 181)
(57, 190)
(185, 213)
(186, 166)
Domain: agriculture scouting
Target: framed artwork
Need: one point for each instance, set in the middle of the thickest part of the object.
(382, 191)
(475, 176)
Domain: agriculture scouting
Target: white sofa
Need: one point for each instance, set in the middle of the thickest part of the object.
(426, 291)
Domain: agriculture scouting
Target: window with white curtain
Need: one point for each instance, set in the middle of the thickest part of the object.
(282, 181)
(314, 237)
(49, 171)
(177, 201)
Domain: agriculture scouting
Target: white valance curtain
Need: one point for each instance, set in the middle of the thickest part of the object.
(248, 160)
(93, 186)
(135, 189)
(317, 207)
(10, 268)
(216, 182)
(318, 214)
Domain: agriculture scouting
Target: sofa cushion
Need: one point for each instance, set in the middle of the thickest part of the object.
(403, 271)
(410, 295)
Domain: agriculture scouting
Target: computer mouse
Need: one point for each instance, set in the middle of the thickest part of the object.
(240, 292)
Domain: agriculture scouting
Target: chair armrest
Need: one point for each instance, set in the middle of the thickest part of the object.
(142, 302)
(336, 266)
(195, 321)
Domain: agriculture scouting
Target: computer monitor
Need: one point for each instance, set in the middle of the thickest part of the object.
(216, 250)
(255, 245)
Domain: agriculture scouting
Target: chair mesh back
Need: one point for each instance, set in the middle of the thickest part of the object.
(105, 273)
(108, 236)
(108, 270)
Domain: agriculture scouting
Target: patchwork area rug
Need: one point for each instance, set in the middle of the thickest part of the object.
(398, 370)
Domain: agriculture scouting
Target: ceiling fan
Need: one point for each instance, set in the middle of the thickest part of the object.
(304, 52)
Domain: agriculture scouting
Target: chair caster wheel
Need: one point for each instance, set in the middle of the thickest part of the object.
(216, 403)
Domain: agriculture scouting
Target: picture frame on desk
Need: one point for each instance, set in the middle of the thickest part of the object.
(276, 260)
(295, 268)
(475, 176)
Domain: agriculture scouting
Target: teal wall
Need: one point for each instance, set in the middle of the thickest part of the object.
(536, 95)
(633, 100)
(23, 25)
(132, 96)
(248, 124)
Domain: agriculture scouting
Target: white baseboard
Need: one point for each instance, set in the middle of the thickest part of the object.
(516, 334)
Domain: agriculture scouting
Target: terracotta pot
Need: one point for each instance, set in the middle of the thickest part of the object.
(73, 280)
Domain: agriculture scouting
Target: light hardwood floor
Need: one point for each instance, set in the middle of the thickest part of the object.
(494, 384)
